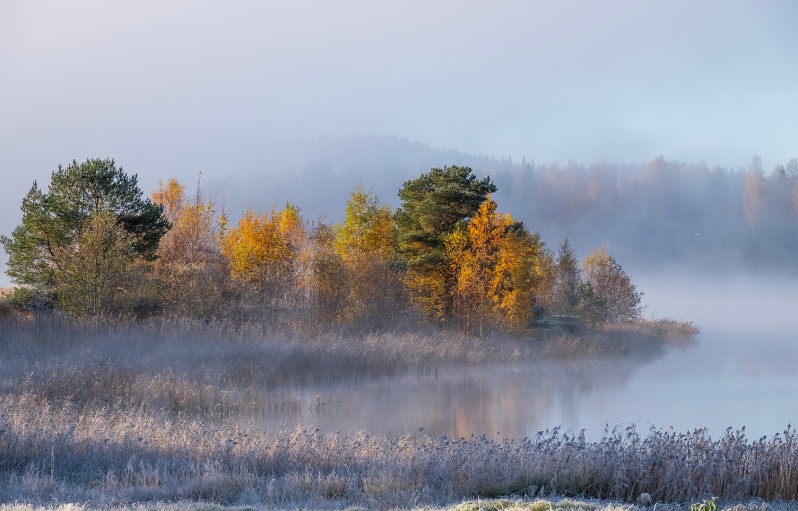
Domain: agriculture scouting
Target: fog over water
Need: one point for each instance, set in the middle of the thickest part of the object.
(741, 372)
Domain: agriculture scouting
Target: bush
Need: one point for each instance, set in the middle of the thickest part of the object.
(28, 299)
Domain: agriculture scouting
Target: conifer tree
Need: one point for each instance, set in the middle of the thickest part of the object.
(433, 206)
(85, 203)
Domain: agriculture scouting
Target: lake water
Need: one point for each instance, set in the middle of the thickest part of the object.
(743, 371)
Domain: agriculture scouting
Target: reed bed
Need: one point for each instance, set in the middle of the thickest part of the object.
(554, 504)
(515, 504)
(60, 453)
(110, 413)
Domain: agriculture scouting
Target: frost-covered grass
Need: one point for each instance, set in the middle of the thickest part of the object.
(214, 370)
(515, 504)
(112, 414)
(61, 452)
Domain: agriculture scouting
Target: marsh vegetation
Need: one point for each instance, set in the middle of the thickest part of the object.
(110, 413)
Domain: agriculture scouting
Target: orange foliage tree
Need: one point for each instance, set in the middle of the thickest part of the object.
(264, 252)
(189, 271)
(496, 263)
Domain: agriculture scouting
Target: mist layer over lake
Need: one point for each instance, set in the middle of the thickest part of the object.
(741, 372)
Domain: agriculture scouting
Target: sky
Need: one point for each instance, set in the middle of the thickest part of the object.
(173, 88)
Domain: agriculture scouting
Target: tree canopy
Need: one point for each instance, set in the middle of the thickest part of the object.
(85, 202)
(433, 206)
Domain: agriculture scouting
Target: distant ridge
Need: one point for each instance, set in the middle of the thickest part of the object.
(317, 175)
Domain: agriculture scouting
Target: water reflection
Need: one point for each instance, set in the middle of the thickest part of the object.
(723, 381)
(499, 401)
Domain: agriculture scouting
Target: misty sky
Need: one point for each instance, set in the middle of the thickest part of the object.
(172, 88)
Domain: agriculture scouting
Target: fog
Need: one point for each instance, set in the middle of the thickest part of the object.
(172, 90)
(748, 304)
(739, 373)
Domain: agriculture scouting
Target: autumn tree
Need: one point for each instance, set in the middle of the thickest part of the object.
(171, 196)
(607, 292)
(367, 227)
(364, 241)
(329, 283)
(517, 277)
(264, 252)
(495, 264)
(189, 270)
(74, 220)
(433, 206)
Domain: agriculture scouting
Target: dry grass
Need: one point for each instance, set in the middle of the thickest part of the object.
(109, 414)
(642, 339)
(62, 453)
(515, 504)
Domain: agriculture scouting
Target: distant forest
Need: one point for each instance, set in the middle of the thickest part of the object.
(652, 215)
(664, 212)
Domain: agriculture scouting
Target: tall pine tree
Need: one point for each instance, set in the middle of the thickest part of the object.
(433, 206)
(63, 224)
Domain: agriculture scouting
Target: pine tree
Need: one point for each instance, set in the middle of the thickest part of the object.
(59, 226)
(433, 206)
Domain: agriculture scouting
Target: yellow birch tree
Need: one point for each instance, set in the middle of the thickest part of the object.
(496, 266)
(263, 252)
(365, 244)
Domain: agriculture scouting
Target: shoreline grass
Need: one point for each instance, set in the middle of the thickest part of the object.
(110, 414)
(511, 504)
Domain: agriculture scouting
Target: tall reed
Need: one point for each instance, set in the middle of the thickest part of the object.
(108, 413)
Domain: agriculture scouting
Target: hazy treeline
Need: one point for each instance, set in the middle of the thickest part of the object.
(663, 212)
(649, 214)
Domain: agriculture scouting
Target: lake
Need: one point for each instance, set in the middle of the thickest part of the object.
(743, 371)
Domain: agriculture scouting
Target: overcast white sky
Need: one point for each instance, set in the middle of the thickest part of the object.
(172, 87)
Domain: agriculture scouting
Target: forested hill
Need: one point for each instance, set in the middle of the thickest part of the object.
(650, 215)
(318, 175)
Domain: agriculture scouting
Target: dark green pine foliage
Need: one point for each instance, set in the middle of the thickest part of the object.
(52, 222)
(433, 205)
(31, 243)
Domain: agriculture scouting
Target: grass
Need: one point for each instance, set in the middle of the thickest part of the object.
(61, 452)
(111, 414)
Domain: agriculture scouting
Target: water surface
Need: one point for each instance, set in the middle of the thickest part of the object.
(742, 372)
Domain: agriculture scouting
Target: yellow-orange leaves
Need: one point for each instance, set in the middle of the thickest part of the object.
(192, 238)
(171, 197)
(495, 263)
(366, 229)
(262, 249)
